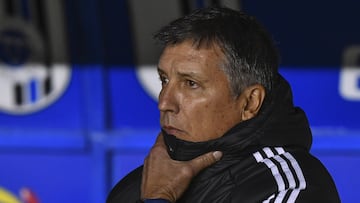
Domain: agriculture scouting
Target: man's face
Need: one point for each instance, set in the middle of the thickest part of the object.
(195, 102)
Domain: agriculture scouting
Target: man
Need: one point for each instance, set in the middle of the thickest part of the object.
(221, 91)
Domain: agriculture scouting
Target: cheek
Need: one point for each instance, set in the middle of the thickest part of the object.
(219, 117)
(227, 114)
(212, 120)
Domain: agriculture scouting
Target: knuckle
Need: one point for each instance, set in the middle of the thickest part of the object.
(155, 151)
(206, 160)
(187, 171)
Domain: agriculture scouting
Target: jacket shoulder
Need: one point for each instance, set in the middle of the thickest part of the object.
(127, 189)
(320, 186)
(285, 175)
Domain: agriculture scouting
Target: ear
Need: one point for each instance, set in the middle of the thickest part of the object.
(253, 97)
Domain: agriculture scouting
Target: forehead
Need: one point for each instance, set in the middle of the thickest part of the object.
(188, 52)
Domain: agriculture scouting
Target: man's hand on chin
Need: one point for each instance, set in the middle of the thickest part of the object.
(167, 179)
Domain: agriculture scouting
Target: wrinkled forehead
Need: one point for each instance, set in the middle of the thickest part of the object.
(199, 43)
(193, 51)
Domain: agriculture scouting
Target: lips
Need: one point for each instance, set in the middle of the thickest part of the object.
(172, 130)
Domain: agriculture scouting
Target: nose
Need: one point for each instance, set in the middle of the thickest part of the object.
(168, 101)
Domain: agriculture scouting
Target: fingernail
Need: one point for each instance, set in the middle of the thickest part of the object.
(217, 155)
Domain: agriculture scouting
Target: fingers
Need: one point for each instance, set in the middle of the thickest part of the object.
(205, 161)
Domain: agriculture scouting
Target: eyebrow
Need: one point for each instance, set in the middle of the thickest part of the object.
(190, 74)
(159, 70)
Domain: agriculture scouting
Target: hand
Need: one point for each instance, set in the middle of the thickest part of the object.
(164, 178)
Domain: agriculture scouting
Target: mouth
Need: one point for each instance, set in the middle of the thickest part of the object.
(172, 130)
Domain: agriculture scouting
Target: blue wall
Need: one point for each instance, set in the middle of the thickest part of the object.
(101, 128)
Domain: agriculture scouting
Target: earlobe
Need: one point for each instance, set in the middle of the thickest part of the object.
(254, 97)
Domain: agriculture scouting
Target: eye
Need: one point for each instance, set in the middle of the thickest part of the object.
(192, 84)
(163, 80)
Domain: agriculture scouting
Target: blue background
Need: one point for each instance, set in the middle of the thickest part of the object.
(102, 127)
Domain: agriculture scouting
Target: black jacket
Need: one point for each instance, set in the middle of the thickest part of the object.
(265, 159)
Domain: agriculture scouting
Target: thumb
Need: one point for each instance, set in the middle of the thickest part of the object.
(204, 161)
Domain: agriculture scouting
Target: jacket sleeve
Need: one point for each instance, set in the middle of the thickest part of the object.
(286, 176)
(127, 190)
